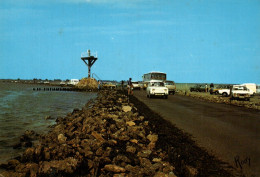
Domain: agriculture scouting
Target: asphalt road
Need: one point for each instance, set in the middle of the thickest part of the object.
(229, 132)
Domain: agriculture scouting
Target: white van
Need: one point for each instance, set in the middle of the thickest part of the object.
(251, 87)
(73, 82)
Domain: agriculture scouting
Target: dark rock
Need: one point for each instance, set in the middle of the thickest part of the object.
(98, 136)
(47, 155)
(33, 169)
(21, 168)
(144, 153)
(121, 158)
(107, 152)
(130, 149)
(59, 129)
(26, 144)
(38, 150)
(190, 171)
(13, 163)
(146, 164)
(59, 120)
(100, 151)
(133, 170)
(12, 174)
(76, 110)
(28, 155)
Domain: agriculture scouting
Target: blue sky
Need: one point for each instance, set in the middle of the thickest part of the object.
(190, 40)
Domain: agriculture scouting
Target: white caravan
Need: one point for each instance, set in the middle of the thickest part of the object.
(251, 87)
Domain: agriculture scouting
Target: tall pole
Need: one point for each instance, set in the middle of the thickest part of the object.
(89, 71)
(89, 61)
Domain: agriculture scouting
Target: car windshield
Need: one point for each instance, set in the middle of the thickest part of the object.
(239, 88)
(157, 84)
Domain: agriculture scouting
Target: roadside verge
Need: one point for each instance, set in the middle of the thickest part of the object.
(254, 102)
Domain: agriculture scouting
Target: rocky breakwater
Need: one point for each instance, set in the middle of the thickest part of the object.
(108, 139)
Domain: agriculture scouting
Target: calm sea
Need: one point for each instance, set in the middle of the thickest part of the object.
(23, 109)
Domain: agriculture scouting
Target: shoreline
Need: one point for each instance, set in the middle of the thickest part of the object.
(23, 109)
(114, 137)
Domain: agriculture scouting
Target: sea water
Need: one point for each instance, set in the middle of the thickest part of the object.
(22, 108)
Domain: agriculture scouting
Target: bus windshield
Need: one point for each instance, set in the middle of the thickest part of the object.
(158, 76)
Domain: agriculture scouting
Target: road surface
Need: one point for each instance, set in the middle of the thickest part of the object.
(229, 132)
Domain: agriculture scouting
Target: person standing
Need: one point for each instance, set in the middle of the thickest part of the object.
(122, 85)
(211, 90)
(130, 87)
(99, 87)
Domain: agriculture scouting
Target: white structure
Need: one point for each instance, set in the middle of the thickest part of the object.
(73, 82)
(258, 88)
(251, 87)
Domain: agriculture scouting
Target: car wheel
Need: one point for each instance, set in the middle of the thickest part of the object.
(173, 92)
(224, 94)
(166, 96)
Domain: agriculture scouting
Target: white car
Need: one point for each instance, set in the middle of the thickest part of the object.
(157, 89)
(136, 86)
(224, 92)
(171, 86)
(237, 92)
(240, 92)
